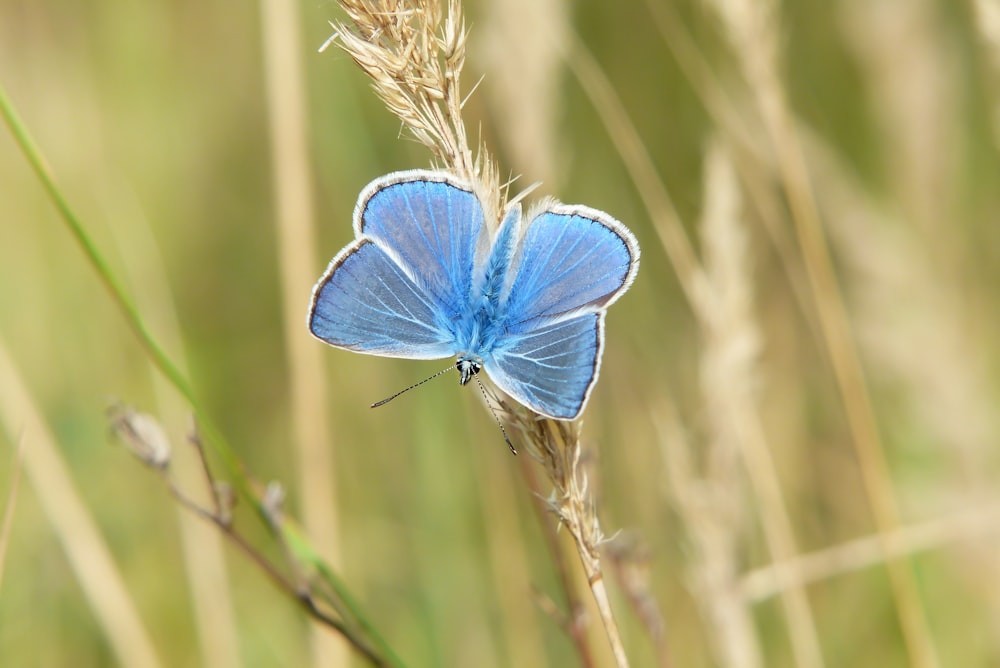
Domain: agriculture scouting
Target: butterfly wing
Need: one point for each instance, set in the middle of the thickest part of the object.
(432, 224)
(572, 259)
(551, 369)
(367, 303)
(400, 287)
(572, 263)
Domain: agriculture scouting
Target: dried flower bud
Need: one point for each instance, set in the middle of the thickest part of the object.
(273, 501)
(141, 434)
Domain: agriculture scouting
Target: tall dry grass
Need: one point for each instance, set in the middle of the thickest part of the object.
(86, 549)
(9, 505)
(296, 225)
(795, 425)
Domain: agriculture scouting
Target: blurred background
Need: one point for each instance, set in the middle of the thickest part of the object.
(801, 384)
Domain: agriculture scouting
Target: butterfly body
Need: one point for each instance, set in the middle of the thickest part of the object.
(426, 278)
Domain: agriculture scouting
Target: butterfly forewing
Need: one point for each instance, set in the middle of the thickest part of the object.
(366, 302)
(431, 225)
(573, 258)
(573, 262)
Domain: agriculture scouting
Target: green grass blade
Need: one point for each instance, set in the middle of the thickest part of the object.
(212, 435)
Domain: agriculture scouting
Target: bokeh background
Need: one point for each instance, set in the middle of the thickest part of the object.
(723, 439)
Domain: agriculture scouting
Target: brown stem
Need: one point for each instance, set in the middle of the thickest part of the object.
(573, 625)
(300, 592)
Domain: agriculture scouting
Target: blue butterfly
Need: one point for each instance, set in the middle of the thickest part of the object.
(425, 279)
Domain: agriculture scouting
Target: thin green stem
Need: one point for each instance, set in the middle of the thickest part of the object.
(214, 437)
(115, 288)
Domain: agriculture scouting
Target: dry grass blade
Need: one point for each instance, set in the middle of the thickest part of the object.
(88, 555)
(572, 620)
(639, 164)
(987, 18)
(924, 348)
(709, 513)
(632, 563)
(555, 444)
(704, 299)
(414, 54)
(732, 345)
(532, 71)
(975, 525)
(737, 123)
(295, 222)
(753, 32)
(8, 513)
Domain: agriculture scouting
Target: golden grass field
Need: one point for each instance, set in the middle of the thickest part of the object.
(794, 446)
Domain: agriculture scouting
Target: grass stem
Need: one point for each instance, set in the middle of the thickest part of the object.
(213, 436)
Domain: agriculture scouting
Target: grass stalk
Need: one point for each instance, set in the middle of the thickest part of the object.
(972, 525)
(115, 288)
(556, 446)
(88, 554)
(639, 164)
(531, 72)
(692, 278)
(301, 547)
(522, 636)
(711, 512)
(749, 148)
(729, 361)
(752, 32)
(573, 618)
(631, 562)
(986, 17)
(7, 521)
(295, 220)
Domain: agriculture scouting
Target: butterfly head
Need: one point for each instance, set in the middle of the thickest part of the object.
(468, 366)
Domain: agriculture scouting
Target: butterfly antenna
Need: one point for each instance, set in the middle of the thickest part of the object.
(495, 416)
(388, 399)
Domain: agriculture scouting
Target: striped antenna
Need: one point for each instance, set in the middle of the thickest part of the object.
(388, 399)
(495, 416)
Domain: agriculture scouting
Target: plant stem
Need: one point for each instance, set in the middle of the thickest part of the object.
(234, 467)
(573, 603)
(596, 580)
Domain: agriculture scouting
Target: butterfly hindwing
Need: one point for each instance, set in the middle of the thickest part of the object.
(551, 369)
